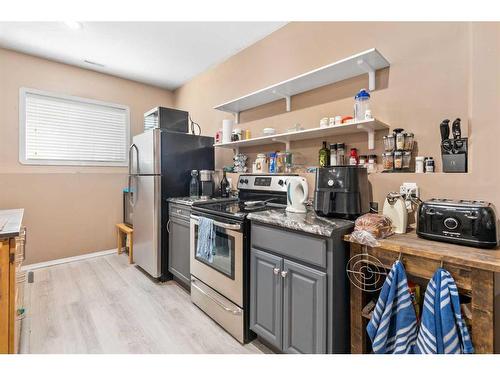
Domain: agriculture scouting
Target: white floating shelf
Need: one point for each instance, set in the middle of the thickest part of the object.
(365, 62)
(368, 126)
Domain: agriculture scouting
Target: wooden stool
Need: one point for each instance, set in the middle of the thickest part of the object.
(123, 229)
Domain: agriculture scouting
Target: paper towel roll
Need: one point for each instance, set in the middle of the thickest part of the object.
(227, 130)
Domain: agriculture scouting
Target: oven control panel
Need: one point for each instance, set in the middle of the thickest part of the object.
(264, 182)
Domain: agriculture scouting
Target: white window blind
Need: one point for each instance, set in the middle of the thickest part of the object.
(64, 130)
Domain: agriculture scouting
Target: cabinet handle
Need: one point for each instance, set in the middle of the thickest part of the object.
(283, 274)
(276, 271)
(168, 226)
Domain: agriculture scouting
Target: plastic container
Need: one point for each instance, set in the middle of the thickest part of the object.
(333, 155)
(388, 161)
(399, 139)
(409, 137)
(280, 162)
(389, 142)
(194, 185)
(362, 105)
(419, 164)
(406, 159)
(398, 159)
(272, 163)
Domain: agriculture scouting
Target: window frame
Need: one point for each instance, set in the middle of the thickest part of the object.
(23, 91)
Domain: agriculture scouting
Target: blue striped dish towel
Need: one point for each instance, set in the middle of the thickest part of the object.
(206, 239)
(442, 330)
(393, 326)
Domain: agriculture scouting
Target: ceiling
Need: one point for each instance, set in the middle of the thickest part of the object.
(164, 54)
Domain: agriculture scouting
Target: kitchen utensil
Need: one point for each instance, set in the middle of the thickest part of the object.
(455, 128)
(444, 128)
(395, 209)
(297, 193)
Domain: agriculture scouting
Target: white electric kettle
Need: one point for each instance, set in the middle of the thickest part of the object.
(296, 194)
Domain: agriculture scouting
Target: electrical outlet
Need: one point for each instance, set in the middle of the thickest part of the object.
(409, 189)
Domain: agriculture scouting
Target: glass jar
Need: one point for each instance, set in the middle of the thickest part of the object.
(406, 159)
(388, 161)
(399, 139)
(288, 162)
(409, 137)
(398, 159)
(280, 162)
(389, 142)
(372, 164)
(340, 153)
(333, 155)
(363, 159)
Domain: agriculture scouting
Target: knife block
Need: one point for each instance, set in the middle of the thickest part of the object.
(454, 155)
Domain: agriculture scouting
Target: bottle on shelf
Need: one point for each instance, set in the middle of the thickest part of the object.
(324, 156)
(225, 188)
(340, 153)
(353, 157)
(333, 155)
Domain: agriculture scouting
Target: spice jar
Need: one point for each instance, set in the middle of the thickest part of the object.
(399, 138)
(333, 155)
(372, 164)
(362, 160)
(406, 159)
(409, 137)
(419, 164)
(353, 157)
(388, 161)
(398, 159)
(340, 153)
(429, 165)
(389, 142)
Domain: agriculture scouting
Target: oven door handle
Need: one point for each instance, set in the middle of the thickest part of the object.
(219, 303)
(219, 224)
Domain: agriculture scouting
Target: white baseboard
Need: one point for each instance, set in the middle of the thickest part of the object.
(54, 262)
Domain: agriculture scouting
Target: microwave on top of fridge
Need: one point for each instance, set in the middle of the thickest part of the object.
(170, 119)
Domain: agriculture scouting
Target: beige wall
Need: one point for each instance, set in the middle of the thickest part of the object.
(438, 70)
(68, 210)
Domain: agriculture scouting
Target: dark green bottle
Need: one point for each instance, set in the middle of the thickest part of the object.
(324, 156)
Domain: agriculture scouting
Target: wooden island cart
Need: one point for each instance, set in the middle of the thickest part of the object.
(476, 273)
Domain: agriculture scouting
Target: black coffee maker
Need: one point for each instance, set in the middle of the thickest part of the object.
(342, 191)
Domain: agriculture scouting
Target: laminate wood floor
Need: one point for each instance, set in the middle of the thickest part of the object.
(105, 305)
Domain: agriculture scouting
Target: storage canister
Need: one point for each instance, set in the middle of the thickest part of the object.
(398, 159)
(406, 159)
(388, 161)
(261, 163)
(419, 164)
(400, 139)
(389, 142)
(409, 137)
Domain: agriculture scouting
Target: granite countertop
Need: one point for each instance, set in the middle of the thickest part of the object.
(188, 201)
(308, 222)
(10, 222)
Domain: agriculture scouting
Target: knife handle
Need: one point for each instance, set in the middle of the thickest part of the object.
(445, 129)
(457, 132)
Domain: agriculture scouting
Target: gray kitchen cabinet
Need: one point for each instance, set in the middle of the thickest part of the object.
(178, 244)
(266, 296)
(304, 309)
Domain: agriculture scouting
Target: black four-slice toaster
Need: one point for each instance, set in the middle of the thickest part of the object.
(464, 222)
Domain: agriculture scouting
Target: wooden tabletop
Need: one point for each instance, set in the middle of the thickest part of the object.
(410, 243)
(10, 222)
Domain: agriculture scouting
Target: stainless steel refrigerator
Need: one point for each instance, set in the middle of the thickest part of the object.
(160, 164)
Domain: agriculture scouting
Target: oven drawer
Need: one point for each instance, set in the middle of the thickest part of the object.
(180, 211)
(309, 249)
(219, 308)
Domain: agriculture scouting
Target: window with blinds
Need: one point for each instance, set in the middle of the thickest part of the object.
(66, 130)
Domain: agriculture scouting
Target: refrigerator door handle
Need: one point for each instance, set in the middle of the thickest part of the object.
(130, 159)
(133, 192)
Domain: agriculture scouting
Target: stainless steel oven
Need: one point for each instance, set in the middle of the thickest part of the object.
(217, 286)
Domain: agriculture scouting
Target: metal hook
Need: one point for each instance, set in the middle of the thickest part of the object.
(442, 263)
(400, 256)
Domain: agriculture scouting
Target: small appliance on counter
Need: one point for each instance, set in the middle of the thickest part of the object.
(297, 193)
(342, 191)
(453, 151)
(464, 222)
(170, 119)
(395, 209)
(207, 183)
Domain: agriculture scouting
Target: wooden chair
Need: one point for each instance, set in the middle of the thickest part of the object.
(123, 229)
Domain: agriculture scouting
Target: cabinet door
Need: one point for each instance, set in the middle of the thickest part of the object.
(4, 296)
(178, 249)
(266, 296)
(304, 309)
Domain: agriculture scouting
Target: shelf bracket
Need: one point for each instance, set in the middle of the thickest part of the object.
(286, 142)
(288, 100)
(371, 73)
(236, 117)
(371, 135)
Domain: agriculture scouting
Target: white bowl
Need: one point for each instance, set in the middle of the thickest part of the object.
(269, 131)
